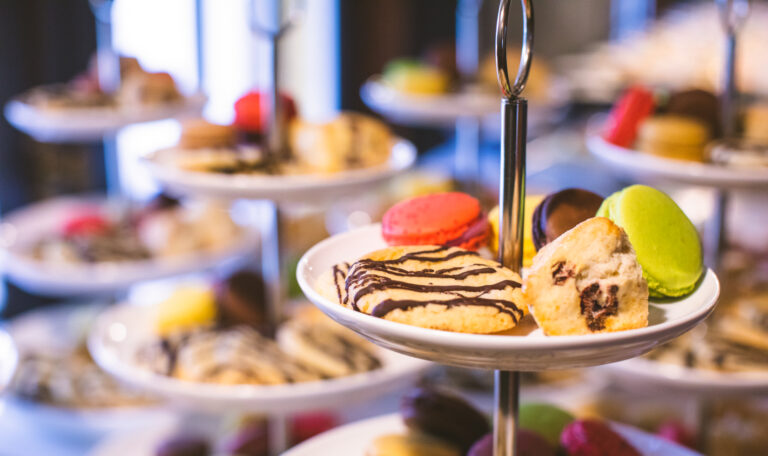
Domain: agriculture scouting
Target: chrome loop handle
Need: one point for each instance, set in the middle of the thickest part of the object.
(526, 54)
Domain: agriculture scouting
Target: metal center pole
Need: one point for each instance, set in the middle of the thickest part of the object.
(514, 125)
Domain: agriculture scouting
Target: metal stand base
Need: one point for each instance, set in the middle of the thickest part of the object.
(506, 394)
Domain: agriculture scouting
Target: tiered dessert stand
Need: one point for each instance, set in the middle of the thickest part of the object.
(121, 329)
(528, 349)
(96, 124)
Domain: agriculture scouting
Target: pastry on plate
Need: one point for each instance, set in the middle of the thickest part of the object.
(436, 287)
(587, 281)
(200, 134)
(665, 240)
(561, 211)
(350, 141)
(670, 136)
(410, 444)
(327, 347)
(452, 219)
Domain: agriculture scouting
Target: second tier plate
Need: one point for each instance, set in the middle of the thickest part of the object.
(525, 349)
(280, 188)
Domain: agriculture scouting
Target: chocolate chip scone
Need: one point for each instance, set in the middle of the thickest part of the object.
(587, 281)
(435, 287)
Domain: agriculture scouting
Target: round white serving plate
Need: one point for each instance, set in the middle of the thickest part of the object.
(444, 110)
(58, 329)
(641, 166)
(9, 359)
(653, 375)
(122, 329)
(20, 229)
(286, 188)
(92, 124)
(527, 350)
(353, 439)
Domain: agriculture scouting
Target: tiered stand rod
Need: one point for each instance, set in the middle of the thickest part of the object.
(514, 116)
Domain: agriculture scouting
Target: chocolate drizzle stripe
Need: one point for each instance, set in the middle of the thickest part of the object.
(425, 273)
(417, 256)
(503, 306)
(383, 283)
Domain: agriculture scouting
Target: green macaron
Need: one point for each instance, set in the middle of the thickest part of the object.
(544, 419)
(666, 242)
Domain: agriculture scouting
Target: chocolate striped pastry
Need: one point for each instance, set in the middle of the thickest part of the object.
(233, 356)
(325, 346)
(445, 288)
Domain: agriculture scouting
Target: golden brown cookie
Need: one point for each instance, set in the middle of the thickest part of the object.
(199, 134)
(436, 287)
(410, 444)
(587, 281)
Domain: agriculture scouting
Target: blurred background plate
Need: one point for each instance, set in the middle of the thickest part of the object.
(354, 439)
(92, 124)
(20, 229)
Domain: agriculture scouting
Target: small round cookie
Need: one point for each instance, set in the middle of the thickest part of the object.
(200, 134)
(436, 287)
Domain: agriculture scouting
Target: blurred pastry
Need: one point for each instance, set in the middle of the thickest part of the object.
(147, 89)
(593, 437)
(669, 249)
(587, 281)
(697, 104)
(184, 445)
(435, 287)
(252, 111)
(546, 420)
(200, 134)
(756, 123)
(350, 141)
(527, 443)
(669, 136)
(452, 219)
(443, 56)
(444, 416)
(235, 356)
(629, 112)
(410, 444)
(188, 307)
(417, 78)
(318, 342)
(738, 153)
(241, 300)
(561, 211)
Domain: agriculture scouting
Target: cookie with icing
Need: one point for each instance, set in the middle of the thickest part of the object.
(436, 287)
(587, 281)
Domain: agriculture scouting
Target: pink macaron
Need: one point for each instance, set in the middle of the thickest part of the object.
(453, 219)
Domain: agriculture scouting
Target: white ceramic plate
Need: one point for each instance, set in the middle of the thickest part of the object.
(445, 109)
(92, 124)
(291, 188)
(353, 439)
(649, 374)
(638, 165)
(59, 329)
(20, 229)
(9, 359)
(122, 329)
(525, 352)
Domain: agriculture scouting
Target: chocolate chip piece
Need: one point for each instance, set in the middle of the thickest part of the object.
(595, 311)
(561, 273)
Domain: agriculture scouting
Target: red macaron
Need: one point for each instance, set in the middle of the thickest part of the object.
(453, 219)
